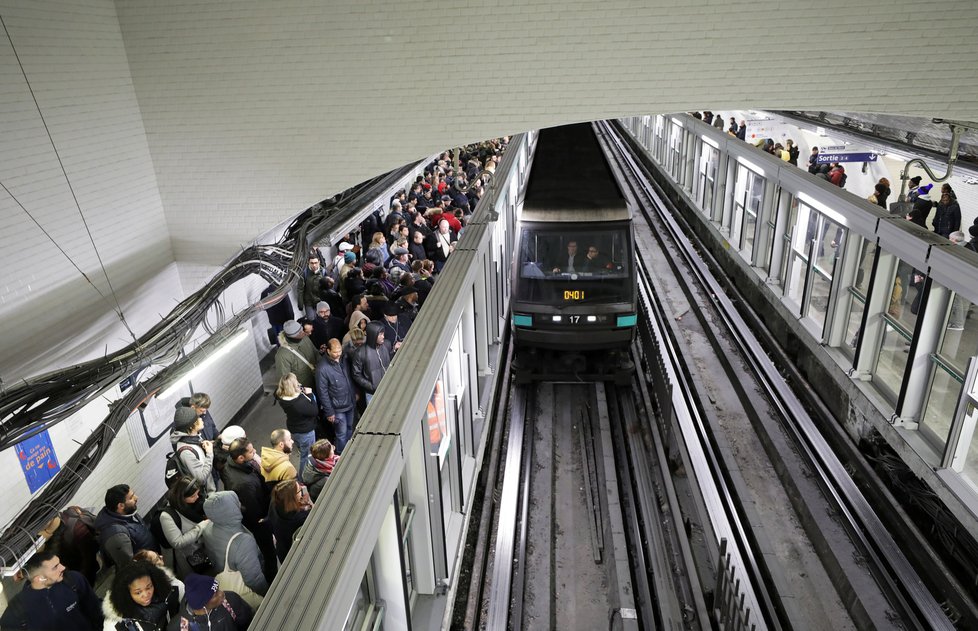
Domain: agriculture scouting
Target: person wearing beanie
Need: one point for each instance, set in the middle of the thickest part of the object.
(913, 184)
(296, 354)
(325, 326)
(921, 206)
(973, 243)
(194, 455)
(206, 606)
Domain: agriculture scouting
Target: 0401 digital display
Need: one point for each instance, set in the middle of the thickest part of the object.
(573, 294)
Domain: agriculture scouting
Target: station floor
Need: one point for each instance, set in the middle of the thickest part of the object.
(264, 414)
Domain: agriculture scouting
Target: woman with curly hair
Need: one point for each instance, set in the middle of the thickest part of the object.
(141, 599)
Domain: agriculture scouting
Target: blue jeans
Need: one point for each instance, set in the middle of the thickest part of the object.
(304, 442)
(343, 424)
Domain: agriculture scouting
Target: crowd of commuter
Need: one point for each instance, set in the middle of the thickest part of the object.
(204, 557)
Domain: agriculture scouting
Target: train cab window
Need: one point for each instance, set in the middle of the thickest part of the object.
(584, 265)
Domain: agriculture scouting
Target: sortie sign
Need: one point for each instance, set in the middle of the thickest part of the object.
(862, 156)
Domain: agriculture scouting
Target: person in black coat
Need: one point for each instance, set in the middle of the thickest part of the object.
(287, 512)
(278, 313)
(54, 598)
(142, 598)
(325, 327)
(242, 475)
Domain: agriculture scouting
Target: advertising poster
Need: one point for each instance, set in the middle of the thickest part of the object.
(38, 460)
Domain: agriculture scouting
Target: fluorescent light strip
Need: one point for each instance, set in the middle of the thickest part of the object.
(834, 215)
(216, 354)
(750, 165)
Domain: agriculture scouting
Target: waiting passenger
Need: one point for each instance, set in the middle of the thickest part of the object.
(336, 394)
(301, 412)
(275, 464)
(793, 152)
(319, 467)
(287, 513)
(54, 598)
(182, 523)
(141, 598)
(229, 544)
(813, 161)
(296, 354)
(921, 206)
(947, 216)
(371, 361)
(396, 328)
(443, 245)
(194, 456)
(325, 327)
(207, 606)
(121, 531)
(310, 287)
(200, 402)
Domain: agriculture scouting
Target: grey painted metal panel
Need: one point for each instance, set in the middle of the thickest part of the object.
(907, 240)
(954, 267)
(320, 577)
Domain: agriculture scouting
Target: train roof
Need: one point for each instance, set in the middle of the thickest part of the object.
(570, 173)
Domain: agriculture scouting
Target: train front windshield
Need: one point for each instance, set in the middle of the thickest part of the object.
(563, 266)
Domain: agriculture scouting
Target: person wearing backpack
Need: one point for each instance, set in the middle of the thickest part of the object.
(181, 524)
(191, 455)
(75, 541)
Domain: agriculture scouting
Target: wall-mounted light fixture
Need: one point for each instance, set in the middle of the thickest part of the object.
(223, 349)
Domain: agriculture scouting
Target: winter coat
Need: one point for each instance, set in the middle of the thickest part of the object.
(920, 211)
(300, 412)
(395, 332)
(224, 510)
(247, 483)
(282, 311)
(417, 251)
(194, 462)
(121, 536)
(947, 218)
(302, 365)
(334, 386)
(70, 604)
(310, 288)
(284, 527)
(325, 330)
(184, 536)
(355, 318)
(233, 614)
(371, 360)
(314, 479)
(275, 465)
(129, 616)
(210, 428)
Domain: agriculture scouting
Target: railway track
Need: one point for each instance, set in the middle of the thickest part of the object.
(698, 496)
(756, 424)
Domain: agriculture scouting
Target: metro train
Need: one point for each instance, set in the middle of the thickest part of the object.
(574, 280)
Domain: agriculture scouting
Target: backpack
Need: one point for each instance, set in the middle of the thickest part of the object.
(155, 527)
(77, 524)
(173, 468)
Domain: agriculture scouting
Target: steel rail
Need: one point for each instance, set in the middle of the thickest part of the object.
(890, 566)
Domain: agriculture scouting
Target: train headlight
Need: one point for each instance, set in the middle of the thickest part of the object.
(557, 318)
(592, 318)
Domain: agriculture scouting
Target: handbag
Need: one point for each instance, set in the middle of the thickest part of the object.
(232, 581)
(199, 562)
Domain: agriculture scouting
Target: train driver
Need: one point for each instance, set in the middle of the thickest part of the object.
(573, 262)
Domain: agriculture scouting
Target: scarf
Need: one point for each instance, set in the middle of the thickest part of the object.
(324, 466)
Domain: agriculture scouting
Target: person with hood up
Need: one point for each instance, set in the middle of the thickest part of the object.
(207, 606)
(229, 544)
(296, 354)
(142, 598)
(358, 321)
(371, 360)
(336, 394)
(194, 455)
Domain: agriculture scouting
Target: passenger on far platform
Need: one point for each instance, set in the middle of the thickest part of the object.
(913, 188)
(947, 216)
(838, 176)
(121, 531)
(921, 206)
(882, 193)
(275, 464)
(742, 130)
(793, 152)
(319, 467)
(371, 361)
(732, 129)
(54, 598)
(813, 161)
(972, 244)
(296, 354)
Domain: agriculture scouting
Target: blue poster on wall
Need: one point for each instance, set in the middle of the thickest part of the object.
(38, 460)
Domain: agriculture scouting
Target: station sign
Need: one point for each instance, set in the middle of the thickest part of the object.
(855, 156)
